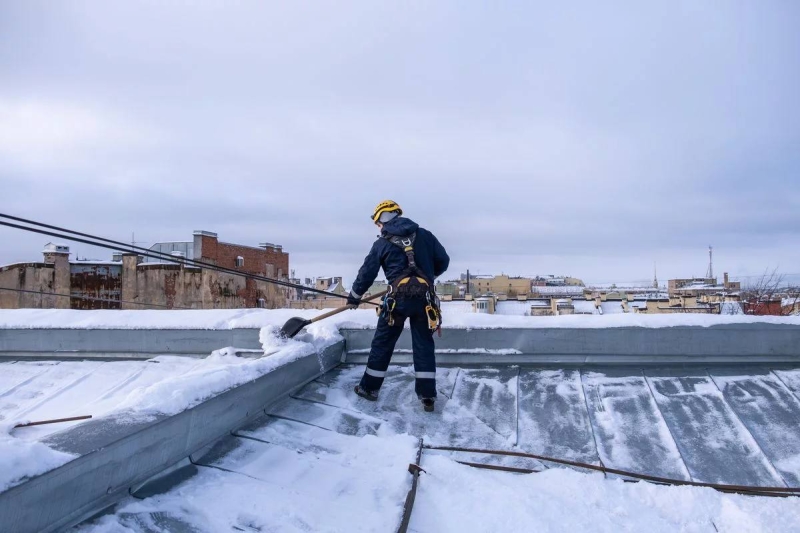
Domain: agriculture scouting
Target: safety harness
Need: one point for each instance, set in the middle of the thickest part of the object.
(411, 283)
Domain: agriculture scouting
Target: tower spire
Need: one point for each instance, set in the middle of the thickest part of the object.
(655, 276)
(710, 272)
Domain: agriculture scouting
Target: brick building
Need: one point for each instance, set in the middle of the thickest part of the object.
(130, 282)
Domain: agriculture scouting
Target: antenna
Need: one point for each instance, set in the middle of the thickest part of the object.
(134, 242)
(710, 273)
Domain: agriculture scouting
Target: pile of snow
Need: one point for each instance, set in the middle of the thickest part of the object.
(171, 393)
(223, 370)
(360, 318)
(21, 459)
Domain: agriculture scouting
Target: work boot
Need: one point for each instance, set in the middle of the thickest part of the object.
(366, 394)
(427, 404)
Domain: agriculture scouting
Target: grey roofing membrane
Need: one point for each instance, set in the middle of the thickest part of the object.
(721, 425)
(715, 426)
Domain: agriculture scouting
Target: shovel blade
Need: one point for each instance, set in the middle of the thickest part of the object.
(293, 327)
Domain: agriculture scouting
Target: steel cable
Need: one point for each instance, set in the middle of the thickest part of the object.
(93, 240)
(744, 489)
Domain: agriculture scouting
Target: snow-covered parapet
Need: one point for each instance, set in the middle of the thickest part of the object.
(260, 318)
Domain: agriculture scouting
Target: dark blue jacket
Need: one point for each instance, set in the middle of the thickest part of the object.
(430, 255)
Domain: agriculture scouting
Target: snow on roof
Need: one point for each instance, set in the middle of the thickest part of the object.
(55, 247)
(700, 286)
(731, 308)
(611, 307)
(42, 390)
(323, 456)
(586, 307)
(360, 319)
(513, 307)
(559, 289)
(458, 306)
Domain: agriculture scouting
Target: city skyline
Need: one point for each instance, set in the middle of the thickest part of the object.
(529, 138)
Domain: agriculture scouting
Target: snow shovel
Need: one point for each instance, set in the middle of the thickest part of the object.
(294, 325)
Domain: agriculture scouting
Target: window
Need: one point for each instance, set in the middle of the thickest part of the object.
(262, 303)
(239, 261)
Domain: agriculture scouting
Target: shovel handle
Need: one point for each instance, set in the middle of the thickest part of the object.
(345, 307)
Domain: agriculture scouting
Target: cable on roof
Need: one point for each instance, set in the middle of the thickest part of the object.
(740, 489)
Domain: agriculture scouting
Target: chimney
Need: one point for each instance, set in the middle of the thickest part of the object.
(725, 277)
(207, 252)
(58, 256)
(52, 251)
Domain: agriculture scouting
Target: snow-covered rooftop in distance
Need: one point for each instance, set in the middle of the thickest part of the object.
(630, 286)
(585, 307)
(611, 307)
(558, 289)
(700, 286)
(514, 307)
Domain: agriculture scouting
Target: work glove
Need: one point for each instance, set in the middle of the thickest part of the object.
(352, 301)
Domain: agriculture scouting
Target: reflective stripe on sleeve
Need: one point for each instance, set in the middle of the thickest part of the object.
(375, 373)
(426, 375)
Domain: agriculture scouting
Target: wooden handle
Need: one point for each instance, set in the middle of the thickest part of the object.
(345, 307)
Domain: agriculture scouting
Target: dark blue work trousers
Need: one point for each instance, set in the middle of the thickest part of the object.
(422, 342)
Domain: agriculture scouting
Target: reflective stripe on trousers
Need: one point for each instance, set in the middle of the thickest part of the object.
(375, 373)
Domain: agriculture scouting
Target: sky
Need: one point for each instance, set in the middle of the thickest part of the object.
(594, 139)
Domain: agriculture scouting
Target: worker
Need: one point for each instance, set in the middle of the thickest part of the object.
(411, 258)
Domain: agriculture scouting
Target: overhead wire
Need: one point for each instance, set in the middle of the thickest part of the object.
(93, 240)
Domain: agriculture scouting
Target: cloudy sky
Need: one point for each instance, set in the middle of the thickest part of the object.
(592, 140)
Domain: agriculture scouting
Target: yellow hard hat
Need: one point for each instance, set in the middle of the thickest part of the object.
(387, 206)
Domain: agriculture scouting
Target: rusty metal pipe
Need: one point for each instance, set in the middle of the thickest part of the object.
(53, 421)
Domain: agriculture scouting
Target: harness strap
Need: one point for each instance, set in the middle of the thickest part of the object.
(432, 310)
(407, 245)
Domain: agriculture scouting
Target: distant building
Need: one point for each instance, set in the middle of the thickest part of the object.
(448, 290)
(556, 281)
(699, 286)
(497, 285)
(309, 299)
(557, 291)
(377, 287)
(129, 282)
(334, 285)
